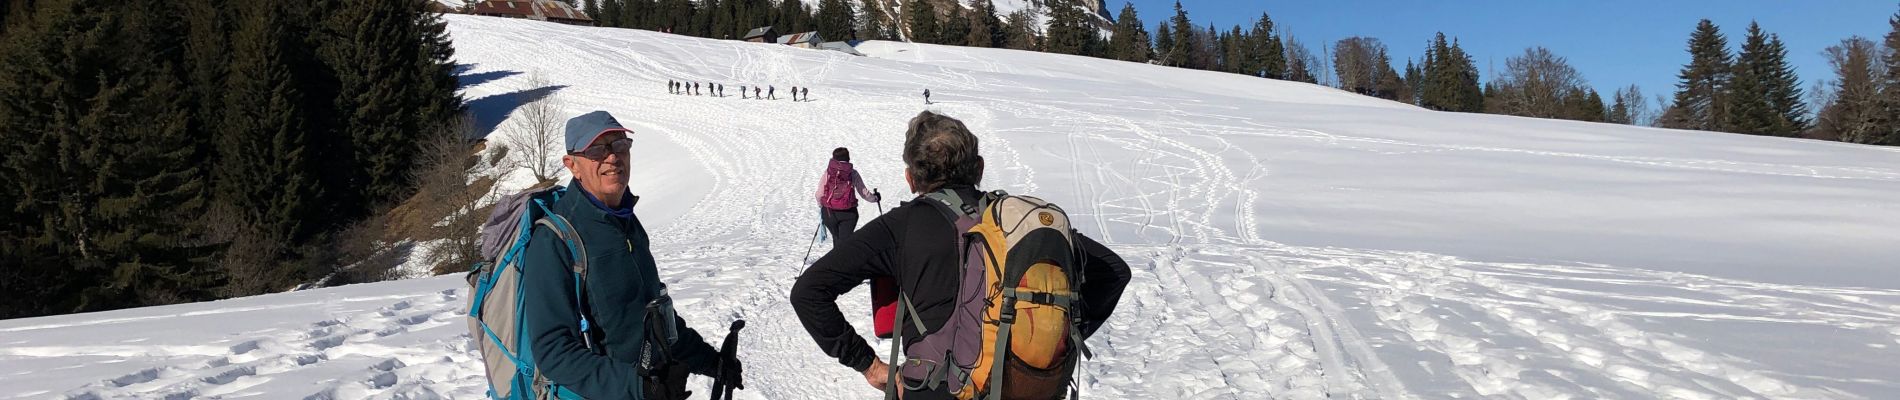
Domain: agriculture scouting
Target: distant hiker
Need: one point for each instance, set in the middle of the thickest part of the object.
(926, 96)
(742, 93)
(1066, 283)
(669, 86)
(618, 337)
(807, 93)
(722, 90)
(768, 92)
(755, 93)
(794, 93)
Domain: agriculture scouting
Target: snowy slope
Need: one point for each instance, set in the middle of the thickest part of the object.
(1287, 240)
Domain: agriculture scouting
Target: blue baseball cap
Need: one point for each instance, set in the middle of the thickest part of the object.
(582, 130)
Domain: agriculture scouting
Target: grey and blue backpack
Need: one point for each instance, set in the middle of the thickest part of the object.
(495, 308)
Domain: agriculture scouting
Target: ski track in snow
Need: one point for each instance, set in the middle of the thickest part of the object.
(1215, 310)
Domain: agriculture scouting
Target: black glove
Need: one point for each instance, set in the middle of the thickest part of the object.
(668, 383)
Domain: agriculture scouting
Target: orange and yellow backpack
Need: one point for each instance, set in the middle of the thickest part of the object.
(1013, 332)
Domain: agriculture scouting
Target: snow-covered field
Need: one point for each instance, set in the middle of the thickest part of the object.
(1287, 240)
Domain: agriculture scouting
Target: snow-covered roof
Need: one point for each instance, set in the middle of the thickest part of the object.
(842, 47)
(533, 9)
(802, 37)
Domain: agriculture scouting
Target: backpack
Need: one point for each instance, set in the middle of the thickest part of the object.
(1014, 331)
(494, 311)
(838, 194)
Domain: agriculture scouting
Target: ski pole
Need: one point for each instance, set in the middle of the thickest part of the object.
(880, 201)
(727, 351)
(808, 246)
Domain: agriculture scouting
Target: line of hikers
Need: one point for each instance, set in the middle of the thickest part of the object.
(984, 294)
(714, 89)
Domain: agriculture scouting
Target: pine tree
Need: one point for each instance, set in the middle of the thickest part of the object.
(1206, 53)
(993, 24)
(871, 24)
(1764, 94)
(835, 20)
(638, 14)
(393, 66)
(1414, 82)
(1470, 98)
(265, 170)
(1129, 40)
(1235, 57)
(605, 12)
(1584, 105)
(1183, 47)
(791, 16)
(1889, 101)
(1021, 32)
(1070, 31)
(955, 28)
(1434, 90)
(1269, 56)
(1619, 112)
(700, 19)
(1391, 86)
(720, 23)
(207, 55)
(104, 181)
(923, 21)
(1785, 97)
(1451, 79)
(1702, 83)
(1630, 107)
(983, 31)
(1163, 43)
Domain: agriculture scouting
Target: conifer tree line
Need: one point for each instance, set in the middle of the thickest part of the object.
(730, 19)
(1750, 90)
(169, 151)
(1754, 90)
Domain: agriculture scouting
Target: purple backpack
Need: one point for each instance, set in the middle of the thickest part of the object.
(838, 194)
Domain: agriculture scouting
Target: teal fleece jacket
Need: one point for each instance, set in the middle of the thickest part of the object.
(621, 279)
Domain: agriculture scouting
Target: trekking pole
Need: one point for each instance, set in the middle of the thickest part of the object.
(880, 201)
(727, 351)
(808, 246)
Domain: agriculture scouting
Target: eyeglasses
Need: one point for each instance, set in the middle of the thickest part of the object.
(599, 151)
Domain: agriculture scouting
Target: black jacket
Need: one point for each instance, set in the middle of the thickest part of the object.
(915, 243)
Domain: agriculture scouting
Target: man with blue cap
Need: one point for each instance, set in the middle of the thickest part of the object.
(636, 346)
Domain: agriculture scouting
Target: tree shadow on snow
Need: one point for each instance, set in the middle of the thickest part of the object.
(488, 112)
(464, 79)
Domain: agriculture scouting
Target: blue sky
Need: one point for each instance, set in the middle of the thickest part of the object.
(1614, 43)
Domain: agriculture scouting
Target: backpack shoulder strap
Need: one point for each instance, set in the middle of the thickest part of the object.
(576, 249)
(954, 207)
(577, 255)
